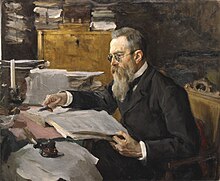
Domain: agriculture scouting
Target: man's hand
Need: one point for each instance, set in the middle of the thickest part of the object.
(55, 100)
(126, 145)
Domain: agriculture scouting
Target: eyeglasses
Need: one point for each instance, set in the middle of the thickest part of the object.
(118, 56)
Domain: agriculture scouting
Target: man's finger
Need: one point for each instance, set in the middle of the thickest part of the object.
(125, 135)
(113, 145)
(118, 140)
(47, 100)
(54, 104)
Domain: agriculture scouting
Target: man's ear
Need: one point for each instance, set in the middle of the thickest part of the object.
(138, 56)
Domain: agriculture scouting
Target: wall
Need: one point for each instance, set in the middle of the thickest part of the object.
(184, 36)
(0, 31)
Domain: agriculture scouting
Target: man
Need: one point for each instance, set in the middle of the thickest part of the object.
(154, 110)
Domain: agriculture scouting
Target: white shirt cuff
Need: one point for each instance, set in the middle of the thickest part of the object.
(69, 98)
(143, 151)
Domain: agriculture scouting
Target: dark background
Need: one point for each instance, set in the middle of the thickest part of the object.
(183, 36)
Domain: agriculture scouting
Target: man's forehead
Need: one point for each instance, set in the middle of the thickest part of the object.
(119, 44)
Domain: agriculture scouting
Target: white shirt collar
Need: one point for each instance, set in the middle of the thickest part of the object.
(141, 70)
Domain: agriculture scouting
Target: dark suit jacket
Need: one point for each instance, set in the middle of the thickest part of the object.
(157, 112)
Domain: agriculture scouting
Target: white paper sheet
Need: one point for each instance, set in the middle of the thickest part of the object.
(76, 164)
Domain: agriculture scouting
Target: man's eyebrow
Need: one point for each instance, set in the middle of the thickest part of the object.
(118, 52)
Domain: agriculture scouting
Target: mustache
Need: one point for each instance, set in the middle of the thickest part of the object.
(119, 71)
(114, 69)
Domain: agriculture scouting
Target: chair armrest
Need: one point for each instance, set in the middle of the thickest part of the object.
(202, 157)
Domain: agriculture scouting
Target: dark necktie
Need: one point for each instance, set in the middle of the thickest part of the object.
(134, 83)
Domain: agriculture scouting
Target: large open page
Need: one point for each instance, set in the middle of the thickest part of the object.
(81, 124)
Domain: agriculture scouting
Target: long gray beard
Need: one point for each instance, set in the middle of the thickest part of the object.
(122, 78)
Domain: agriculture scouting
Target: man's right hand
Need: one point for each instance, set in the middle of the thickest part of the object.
(54, 100)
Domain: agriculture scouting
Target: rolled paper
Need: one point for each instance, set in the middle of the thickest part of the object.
(12, 71)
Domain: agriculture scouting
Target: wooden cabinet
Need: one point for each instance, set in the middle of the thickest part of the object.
(77, 49)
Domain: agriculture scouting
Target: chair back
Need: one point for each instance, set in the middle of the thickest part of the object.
(207, 108)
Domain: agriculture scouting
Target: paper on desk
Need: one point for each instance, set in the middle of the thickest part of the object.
(42, 82)
(83, 74)
(76, 164)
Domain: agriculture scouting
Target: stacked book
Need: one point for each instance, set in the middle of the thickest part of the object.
(102, 19)
(76, 13)
(16, 23)
(48, 14)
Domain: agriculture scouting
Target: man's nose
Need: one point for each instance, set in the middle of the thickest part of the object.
(114, 61)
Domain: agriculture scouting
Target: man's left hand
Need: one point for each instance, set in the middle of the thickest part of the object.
(126, 145)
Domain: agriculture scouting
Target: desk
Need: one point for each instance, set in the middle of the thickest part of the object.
(27, 163)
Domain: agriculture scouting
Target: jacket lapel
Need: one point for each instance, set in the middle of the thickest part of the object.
(142, 90)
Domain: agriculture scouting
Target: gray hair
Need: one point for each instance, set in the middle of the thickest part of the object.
(135, 39)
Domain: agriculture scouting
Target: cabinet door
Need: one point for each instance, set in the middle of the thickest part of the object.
(78, 51)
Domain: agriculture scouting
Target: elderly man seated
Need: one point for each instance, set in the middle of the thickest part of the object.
(154, 110)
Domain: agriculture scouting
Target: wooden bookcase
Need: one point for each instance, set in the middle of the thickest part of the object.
(75, 48)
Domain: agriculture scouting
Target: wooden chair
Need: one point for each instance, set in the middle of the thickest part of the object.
(206, 110)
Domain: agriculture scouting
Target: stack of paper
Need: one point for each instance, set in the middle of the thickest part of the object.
(42, 82)
(48, 14)
(102, 19)
(77, 11)
(17, 23)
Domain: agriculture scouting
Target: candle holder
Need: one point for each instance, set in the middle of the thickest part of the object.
(48, 149)
(4, 103)
(14, 100)
(10, 100)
